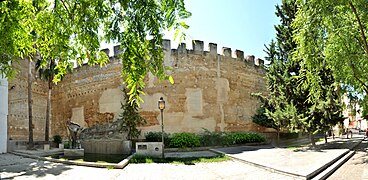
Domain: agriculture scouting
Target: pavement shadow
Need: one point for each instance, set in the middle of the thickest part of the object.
(32, 169)
(178, 160)
(241, 149)
(361, 154)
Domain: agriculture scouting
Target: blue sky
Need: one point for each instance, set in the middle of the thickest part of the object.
(238, 24)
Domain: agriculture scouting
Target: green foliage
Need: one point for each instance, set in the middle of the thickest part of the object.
(156, 137)
(130, 119)
(190, 161)
(290, 103)
(233, 138)
(337, 31)
(208, 138)
(57, 139)
(67, 145)
(184, 140)
(261, 118)
(68, 31)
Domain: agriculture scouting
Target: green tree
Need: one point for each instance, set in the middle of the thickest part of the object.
(69, 30)
(336, 31)
(47, 73)
(289, 104)
(130, 118)
(72, 30)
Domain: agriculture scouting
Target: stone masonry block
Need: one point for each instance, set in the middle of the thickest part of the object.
(197, 46)
(226, 51)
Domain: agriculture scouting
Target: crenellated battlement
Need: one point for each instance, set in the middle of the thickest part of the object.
(198, 49)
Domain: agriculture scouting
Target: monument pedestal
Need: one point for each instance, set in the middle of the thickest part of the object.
(73, 152)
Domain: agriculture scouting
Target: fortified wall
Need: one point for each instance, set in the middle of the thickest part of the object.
(18, 104)
(211, 91)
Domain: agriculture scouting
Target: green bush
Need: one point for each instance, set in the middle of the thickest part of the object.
(67, 145)
(232, 138)
(57, 139)
(184, 140)
(208, 138)
(156, 137)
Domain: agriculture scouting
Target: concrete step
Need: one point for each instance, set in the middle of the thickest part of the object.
(333, 167)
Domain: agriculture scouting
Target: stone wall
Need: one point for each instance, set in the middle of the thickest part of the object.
(18, 104)
(210, 91)
(89, 96)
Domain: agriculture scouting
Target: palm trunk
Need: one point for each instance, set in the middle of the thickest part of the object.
(48, 109)
(30, 123)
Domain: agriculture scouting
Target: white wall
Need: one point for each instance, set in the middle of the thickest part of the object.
(3, 114)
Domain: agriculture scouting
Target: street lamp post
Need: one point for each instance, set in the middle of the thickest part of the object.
(161, 106)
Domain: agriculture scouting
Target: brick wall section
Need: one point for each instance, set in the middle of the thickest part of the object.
(18, 104)
(83, 89)
(210, 91)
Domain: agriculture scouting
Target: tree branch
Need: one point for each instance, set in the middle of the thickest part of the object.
(66, 8)
(365, 86)
(360, 27)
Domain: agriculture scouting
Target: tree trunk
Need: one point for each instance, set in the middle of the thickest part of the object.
(312, 140)
(326, 134)
(278, 137)
(48, 109)
(30, 102)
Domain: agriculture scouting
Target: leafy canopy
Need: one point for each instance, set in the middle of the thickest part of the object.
(288, 103)
(337, 31)
(72, 30)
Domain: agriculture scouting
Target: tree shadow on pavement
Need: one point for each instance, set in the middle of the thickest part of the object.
(31, 169)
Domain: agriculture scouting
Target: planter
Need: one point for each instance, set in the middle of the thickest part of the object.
(46, 147)
(61, 146)
(73, 152)
(102, 146)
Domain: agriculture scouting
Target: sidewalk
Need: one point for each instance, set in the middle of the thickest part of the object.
(252, 162)
(299, 162)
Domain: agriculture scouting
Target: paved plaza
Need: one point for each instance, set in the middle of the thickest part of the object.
(250, 162)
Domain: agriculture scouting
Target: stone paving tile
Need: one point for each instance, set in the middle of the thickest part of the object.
(190, 154)
(299, 161)
(356, 167)
(221, 170)
(16, 167)
(25, 168)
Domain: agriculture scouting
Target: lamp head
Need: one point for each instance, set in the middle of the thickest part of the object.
(161, 104)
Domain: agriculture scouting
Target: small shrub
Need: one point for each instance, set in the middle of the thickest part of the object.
(67, 145)
(232, 138)
(141, 159)
(184, 140)
(156, 137)
(57, 139)
(208, 138)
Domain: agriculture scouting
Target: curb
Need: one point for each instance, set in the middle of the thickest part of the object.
(310, 175)
(120, 165)
(338, 163)
(259, 165)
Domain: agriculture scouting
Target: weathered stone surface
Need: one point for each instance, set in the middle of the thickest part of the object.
(210, 91)
(107, 146)
(73, 152)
